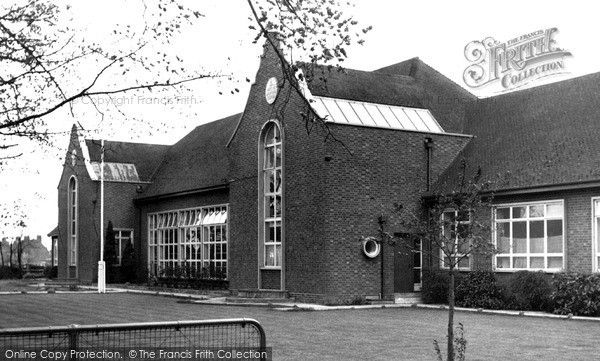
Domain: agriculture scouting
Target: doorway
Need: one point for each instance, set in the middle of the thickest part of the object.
(408, 265)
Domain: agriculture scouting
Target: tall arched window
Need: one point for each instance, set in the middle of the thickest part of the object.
(272, 196)
(73, 221)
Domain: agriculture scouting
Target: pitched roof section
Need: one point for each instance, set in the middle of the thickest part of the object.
(421, 71)
(411, 83)
(197, 161)
(542, 136)
(365, 86)
(444, 98)
(145, 157)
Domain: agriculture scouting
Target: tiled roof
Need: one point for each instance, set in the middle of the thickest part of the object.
(365, 86)
(199, 160)
(541, 136)
(411, 83)
(145, 157)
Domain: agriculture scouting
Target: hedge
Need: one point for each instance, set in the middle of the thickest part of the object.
(576, 294)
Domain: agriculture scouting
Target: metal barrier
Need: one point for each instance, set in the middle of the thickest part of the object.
(131, 341)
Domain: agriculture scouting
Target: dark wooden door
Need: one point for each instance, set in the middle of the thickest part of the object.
(403, 268)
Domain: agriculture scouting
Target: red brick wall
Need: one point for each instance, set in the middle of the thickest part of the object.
(385, 167)
(118, 208)
(331, 197)
(303, 191)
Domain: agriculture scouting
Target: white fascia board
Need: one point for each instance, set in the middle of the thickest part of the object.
(85, 153)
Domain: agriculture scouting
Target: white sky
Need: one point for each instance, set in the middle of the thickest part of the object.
(435, 31)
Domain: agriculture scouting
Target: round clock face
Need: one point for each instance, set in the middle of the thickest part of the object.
(271, 90)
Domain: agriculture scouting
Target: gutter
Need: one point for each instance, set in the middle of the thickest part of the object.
(180, 194)
(535, 189)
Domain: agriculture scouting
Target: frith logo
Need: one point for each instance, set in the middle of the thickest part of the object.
(514, 63)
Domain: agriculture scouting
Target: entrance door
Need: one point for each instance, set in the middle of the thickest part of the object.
(408, 262)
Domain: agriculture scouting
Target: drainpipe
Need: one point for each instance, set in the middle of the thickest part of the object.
(428, 142)
(381, 222)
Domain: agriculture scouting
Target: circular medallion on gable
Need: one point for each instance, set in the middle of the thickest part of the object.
(271, 90)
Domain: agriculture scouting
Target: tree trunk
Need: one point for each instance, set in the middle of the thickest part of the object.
(10, 258)
(451, 316)
(20, 258)
(2, 253)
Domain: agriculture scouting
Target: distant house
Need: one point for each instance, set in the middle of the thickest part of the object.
(269, 203)
(53, 261)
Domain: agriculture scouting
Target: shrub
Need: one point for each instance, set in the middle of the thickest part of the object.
(478, 289)
(530, 291)
(128, 266)
(51, 272)
(576, 294)
(435, 286)
(7, 272)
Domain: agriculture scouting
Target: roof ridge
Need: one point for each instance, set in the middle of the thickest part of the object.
(124, 142)
(452, 82)
(541, 87)
(342, 69)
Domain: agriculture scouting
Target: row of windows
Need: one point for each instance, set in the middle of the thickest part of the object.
(527, 236)
(194, 238)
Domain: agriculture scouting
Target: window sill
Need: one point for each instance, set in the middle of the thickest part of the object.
(514, 270)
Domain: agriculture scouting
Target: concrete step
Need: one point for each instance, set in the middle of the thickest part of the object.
(408, 298)
(275, 294)
(258, 300)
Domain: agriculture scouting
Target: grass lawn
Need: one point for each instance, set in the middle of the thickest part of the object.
(375, 334)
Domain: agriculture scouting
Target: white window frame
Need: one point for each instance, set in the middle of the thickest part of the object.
(118, 232)
(265, 194)
(595, 235)
(457, 222)
(168, 244)
(73, 220)
(528, 255)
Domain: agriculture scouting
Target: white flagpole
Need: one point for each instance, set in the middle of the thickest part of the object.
(101, 265)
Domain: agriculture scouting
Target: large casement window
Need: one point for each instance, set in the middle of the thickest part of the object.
(194, 238)
(530, 236)
(72, 218)
(596, 230)
(271, 199)
(122, 237)
(455, 224)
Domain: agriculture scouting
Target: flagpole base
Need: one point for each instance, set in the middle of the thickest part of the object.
(101, 277)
